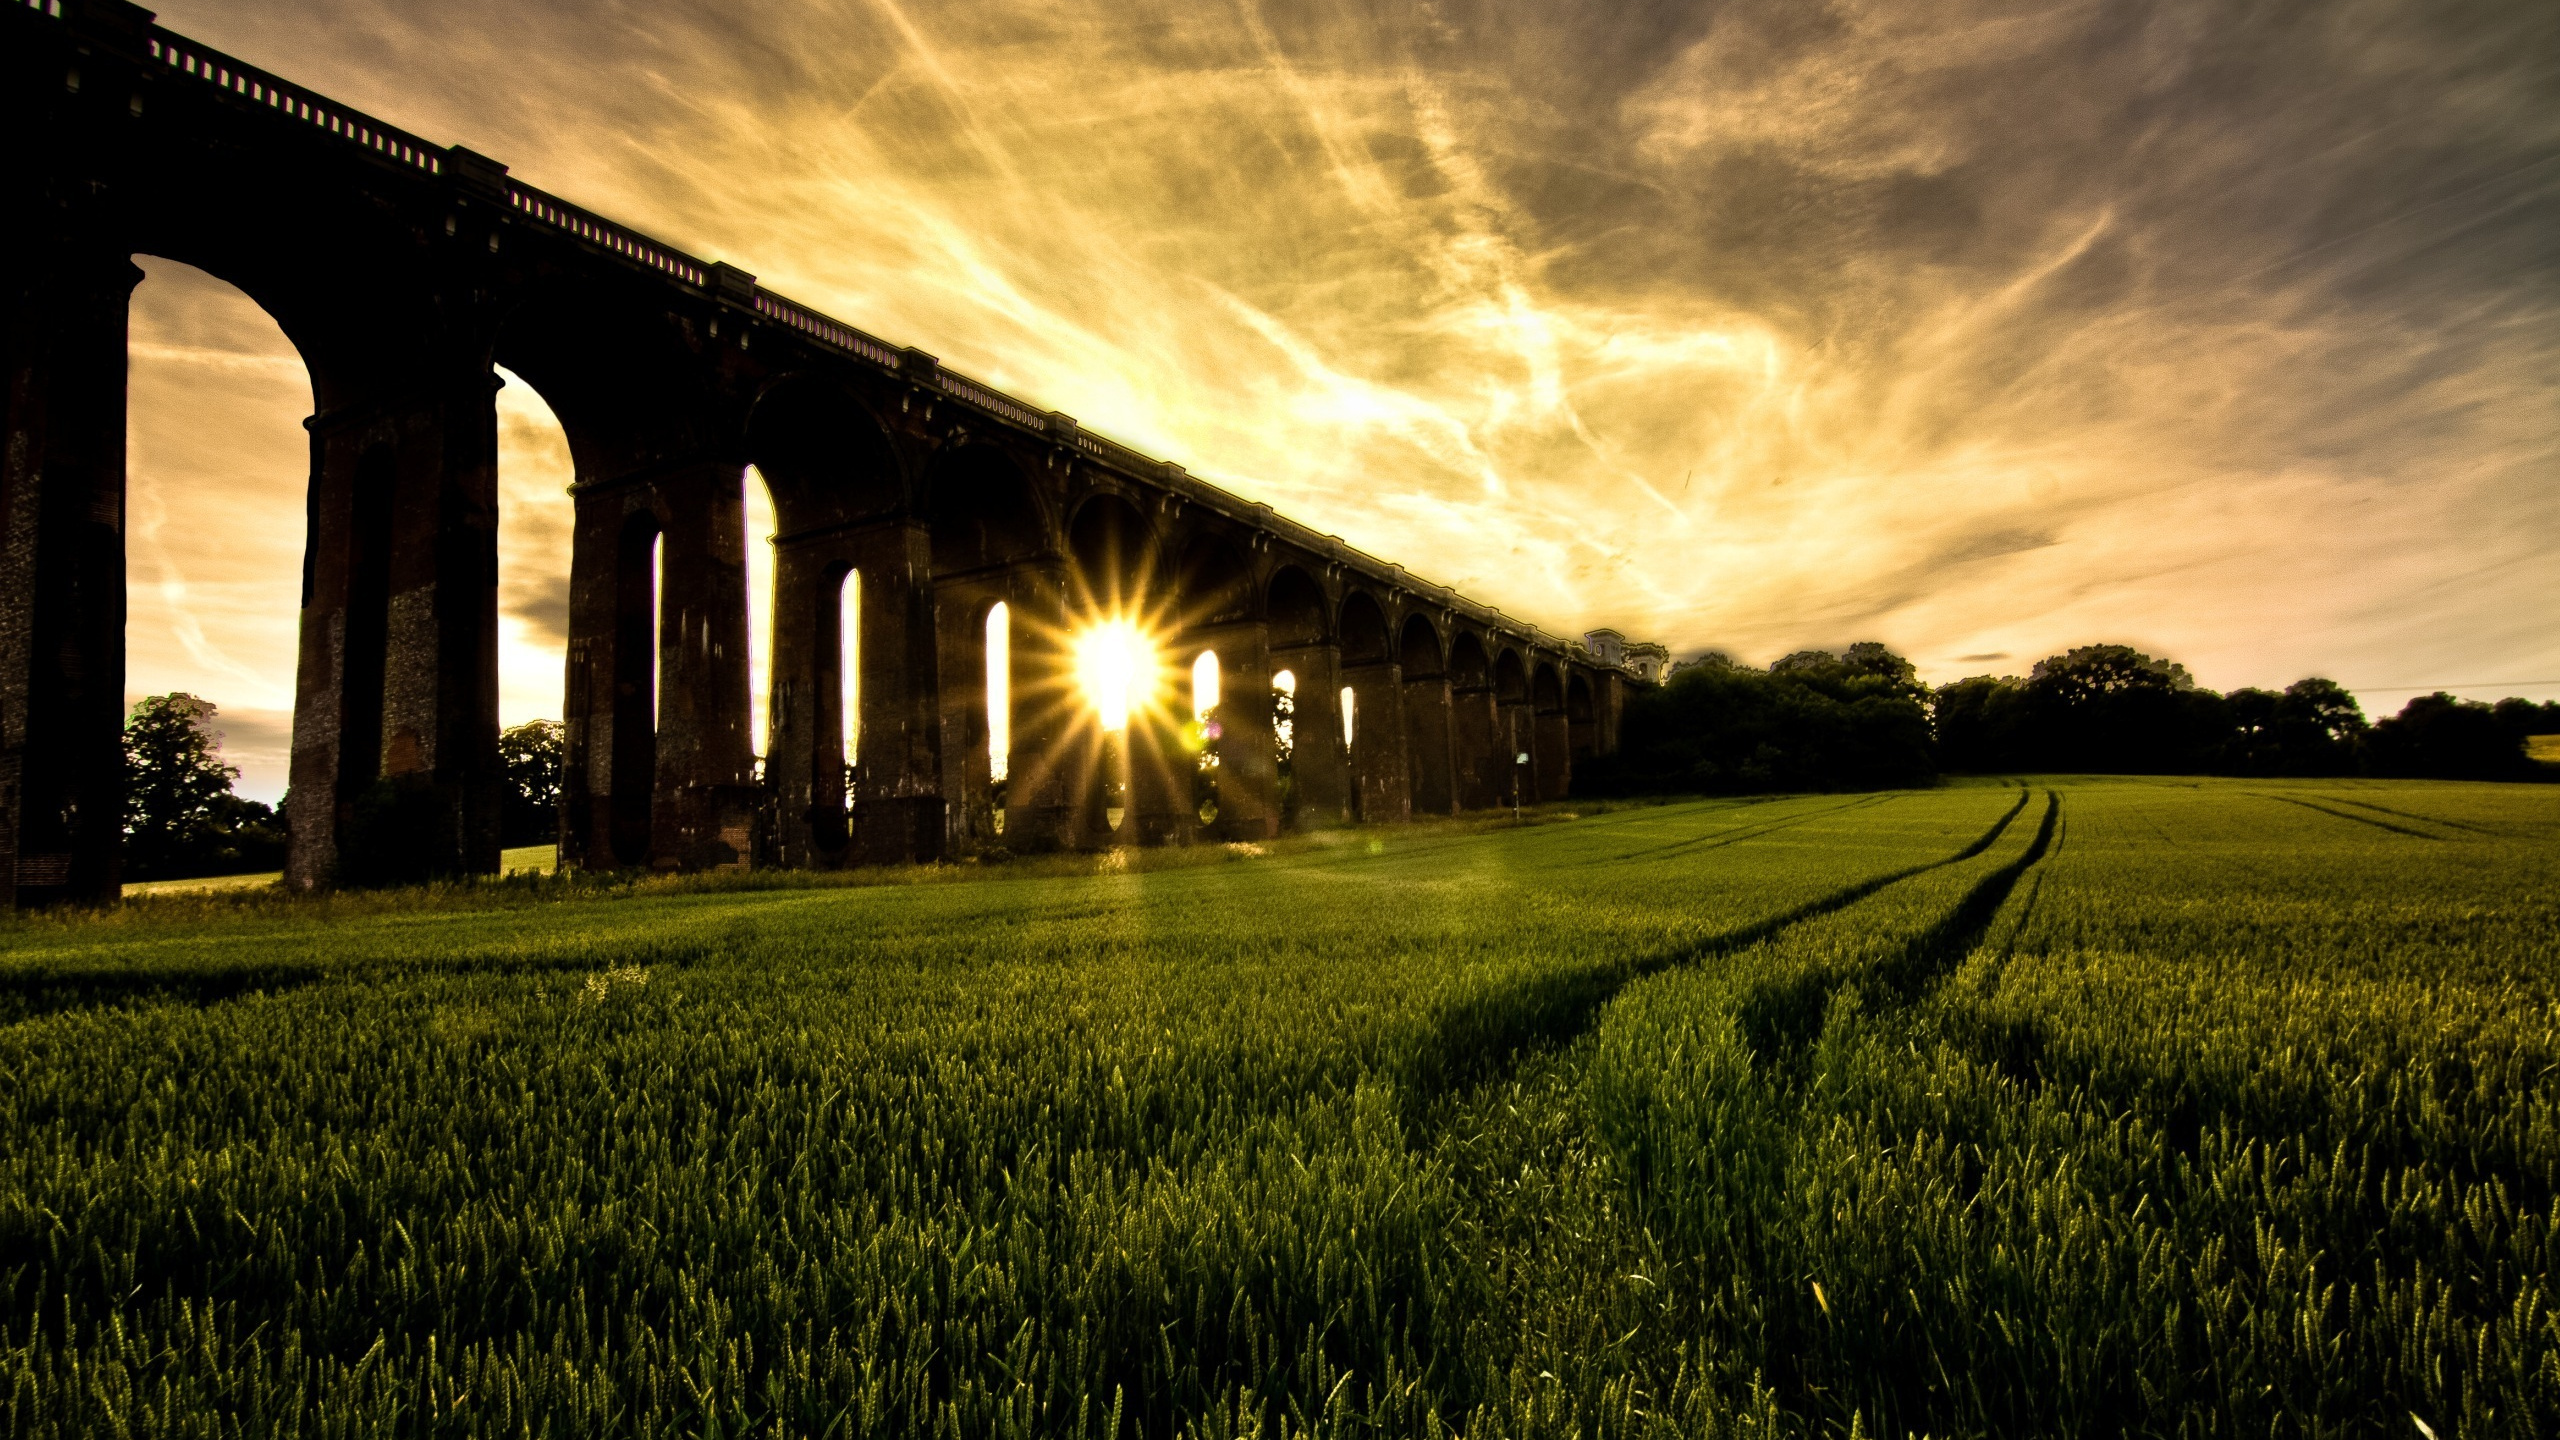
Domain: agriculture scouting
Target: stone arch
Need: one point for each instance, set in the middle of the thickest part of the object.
(1363, 627)
(983, 511)
(1113, 553)
(1295, 605)
(1546, 689)
(1419, 649)
(1510, 677)
(1468, 668)
(1581, 715)
(825, 457)
(626, 390)
(1214, 583)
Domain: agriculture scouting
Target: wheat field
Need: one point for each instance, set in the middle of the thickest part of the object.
(2063, 1106)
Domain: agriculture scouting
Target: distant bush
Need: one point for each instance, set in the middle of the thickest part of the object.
(180, 818)
(2440, 737)
(531, 756)
(1856, 720)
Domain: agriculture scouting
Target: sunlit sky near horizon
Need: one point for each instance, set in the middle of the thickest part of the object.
(1982, 330)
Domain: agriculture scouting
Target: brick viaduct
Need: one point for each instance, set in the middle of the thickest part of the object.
(404, 272)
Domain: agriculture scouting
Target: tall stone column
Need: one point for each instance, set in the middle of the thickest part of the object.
(62, 605)
(613, 686)
(1320, 766)
(1474, 736)
(1381, 777)
(703, 782)
(894, 776)
(961, 608)
(898, 804)
(1053, 751)
(1431, 743)
(1515, 725)
(1554, 752)
(1608, 709)
(805, 767)
(1248, 754)
(395, 730)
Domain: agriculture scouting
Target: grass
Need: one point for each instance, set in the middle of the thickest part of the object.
(537, 859)
(2105, 1107)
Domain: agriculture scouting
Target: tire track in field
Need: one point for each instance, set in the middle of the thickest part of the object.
(2413, 815)
(1939, 949)
(1732, 835)
(1479, 1037)
(2358, 819)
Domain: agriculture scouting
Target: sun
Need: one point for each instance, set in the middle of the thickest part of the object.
(1116, 666)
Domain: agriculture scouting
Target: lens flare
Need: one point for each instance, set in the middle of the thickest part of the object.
(1115, 666)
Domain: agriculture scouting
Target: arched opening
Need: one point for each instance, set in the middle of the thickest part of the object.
(1548, 691)
(1213, 585)
(1419, 650)
(757, 503)
(825, 458)
(1468, 669)
(1510, 678)
(1296, 609)
(982, 511)
(1364, 631)
(1205, 736)
(999, 701)
(217, 469)
(1112, 555)
(634, 762)
(1284, 738)
(537, 523)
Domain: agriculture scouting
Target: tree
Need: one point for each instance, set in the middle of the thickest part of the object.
(1981, 724)
(181, 818)
(532, 756)
(1813, 721)
(2113, 709)
(2442, 738)
(2320, 729)
(2311, 727)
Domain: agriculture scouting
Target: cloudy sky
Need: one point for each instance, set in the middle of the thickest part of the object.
(2231, 331)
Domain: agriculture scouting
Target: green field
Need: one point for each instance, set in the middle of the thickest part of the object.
(2090, 1107)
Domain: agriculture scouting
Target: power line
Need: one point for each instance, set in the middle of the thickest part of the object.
(2459, 685)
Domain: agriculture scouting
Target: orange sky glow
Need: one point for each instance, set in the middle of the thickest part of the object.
(1979, 329)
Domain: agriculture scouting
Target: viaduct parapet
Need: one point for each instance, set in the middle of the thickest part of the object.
(404, 272)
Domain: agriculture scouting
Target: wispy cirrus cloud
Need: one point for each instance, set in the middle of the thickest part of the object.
(1979, 328)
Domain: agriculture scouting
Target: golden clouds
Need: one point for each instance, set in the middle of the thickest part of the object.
(1757, 325)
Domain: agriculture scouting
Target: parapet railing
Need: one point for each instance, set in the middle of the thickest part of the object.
(621, 240)
(819, 327)
(399, 147)
(215, 68)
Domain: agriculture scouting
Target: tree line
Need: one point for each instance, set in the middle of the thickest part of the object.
(1862, 719)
